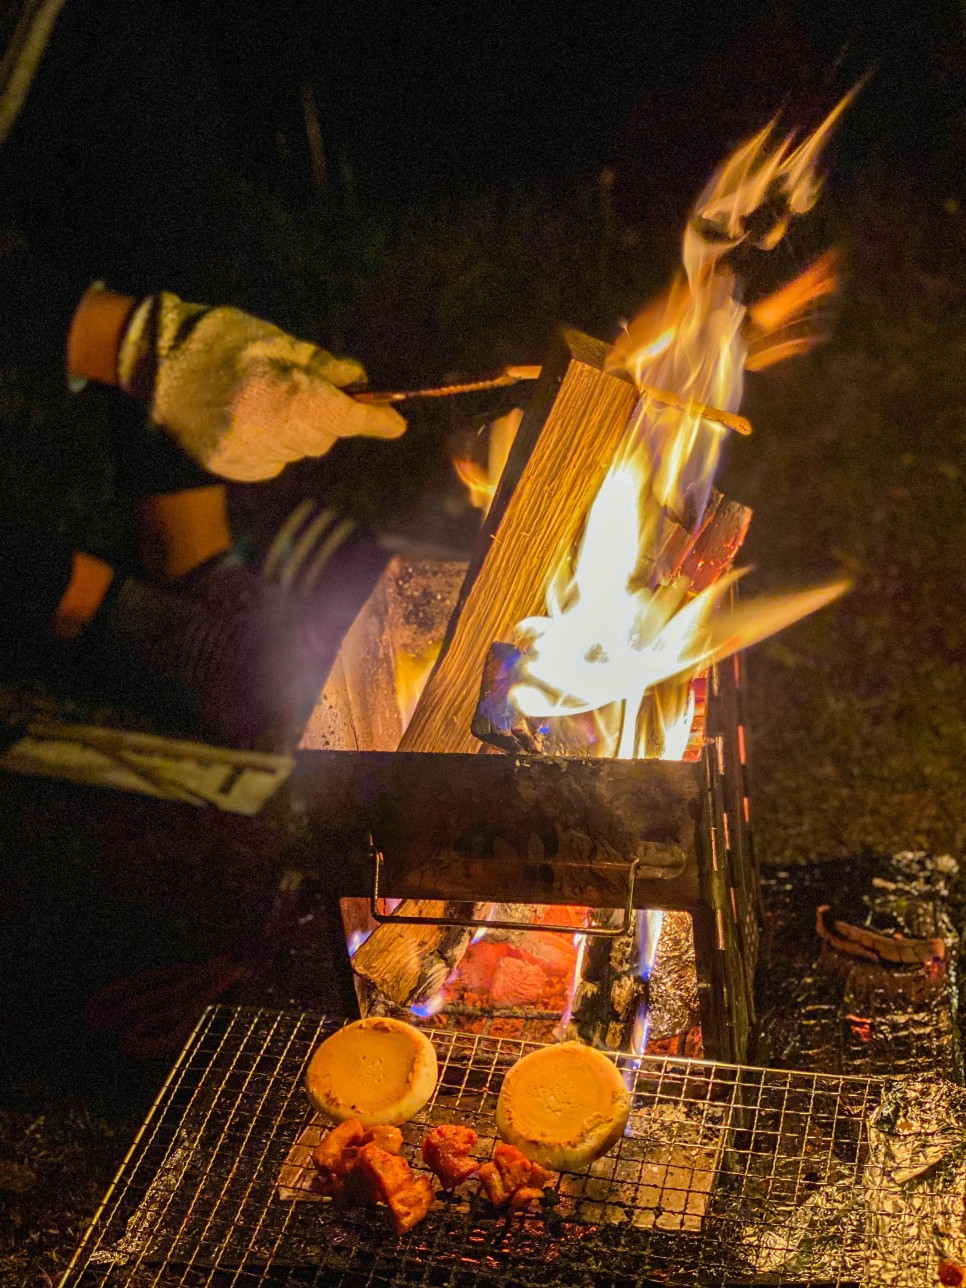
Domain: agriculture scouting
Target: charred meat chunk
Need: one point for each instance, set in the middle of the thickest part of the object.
(512, 1178)
(446, 1151)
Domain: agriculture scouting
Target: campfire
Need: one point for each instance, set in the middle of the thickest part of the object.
(598, 622)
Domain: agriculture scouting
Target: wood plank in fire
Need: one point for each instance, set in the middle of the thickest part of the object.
(566, 442)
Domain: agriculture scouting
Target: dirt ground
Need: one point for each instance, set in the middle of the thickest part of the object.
(857, 717)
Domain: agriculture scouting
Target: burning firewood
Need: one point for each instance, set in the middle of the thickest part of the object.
(611, 994)
(409, 964)
(569, 434)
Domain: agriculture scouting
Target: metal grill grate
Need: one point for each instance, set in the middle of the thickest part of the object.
(725, 1175)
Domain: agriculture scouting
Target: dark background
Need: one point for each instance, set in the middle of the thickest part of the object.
(490, 171)
(417, 99)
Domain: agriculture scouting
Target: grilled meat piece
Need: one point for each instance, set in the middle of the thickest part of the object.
(359, 1166)
(524, 1196)
(493, 1186)
(512, 1178)
(327, 1155)
(337, 1158)
(446, 1152)
(385, 1172)
(394, 1182)
(411, 1202)
(514, 1167)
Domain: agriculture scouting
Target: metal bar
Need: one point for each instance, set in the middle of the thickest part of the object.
(592, 932)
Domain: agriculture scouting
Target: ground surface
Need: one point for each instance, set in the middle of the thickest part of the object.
(857, 717)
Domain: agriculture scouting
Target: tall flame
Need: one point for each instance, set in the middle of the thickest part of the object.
(609, 637)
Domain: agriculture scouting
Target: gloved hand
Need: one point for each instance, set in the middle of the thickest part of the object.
(240, 396)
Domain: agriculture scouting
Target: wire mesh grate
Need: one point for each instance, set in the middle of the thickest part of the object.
(725, 1175)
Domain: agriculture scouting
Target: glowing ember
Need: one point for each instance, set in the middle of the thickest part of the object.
(612, 633)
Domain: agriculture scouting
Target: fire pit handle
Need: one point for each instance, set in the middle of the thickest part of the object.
(474, 923)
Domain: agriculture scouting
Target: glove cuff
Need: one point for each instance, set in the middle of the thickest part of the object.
(96, 334)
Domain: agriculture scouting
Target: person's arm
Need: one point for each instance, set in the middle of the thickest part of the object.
(240, 396)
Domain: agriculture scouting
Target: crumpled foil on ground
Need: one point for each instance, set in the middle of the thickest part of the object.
(819, 1239)
(905, 1216)
(915, 1183)
(825, 1011)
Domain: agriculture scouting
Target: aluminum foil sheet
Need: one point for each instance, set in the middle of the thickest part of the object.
(674, 1007)
(901, 1221)
(811, 1241)
(821, 1009)
(915, 1184)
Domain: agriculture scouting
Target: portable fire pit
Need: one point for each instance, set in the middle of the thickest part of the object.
(473, 831)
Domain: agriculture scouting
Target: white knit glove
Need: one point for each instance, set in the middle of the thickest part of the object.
(238, 395)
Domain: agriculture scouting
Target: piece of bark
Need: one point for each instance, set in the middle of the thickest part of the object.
(874, 945)
(674, 1008)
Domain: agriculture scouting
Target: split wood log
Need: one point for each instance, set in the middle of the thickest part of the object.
(358, 710)
(716, 546)
(409, 968)
(567, 439)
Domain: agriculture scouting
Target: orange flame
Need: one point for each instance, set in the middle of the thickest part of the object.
(412, 672)
(779, 326)
(482, 483)
(609, 639)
